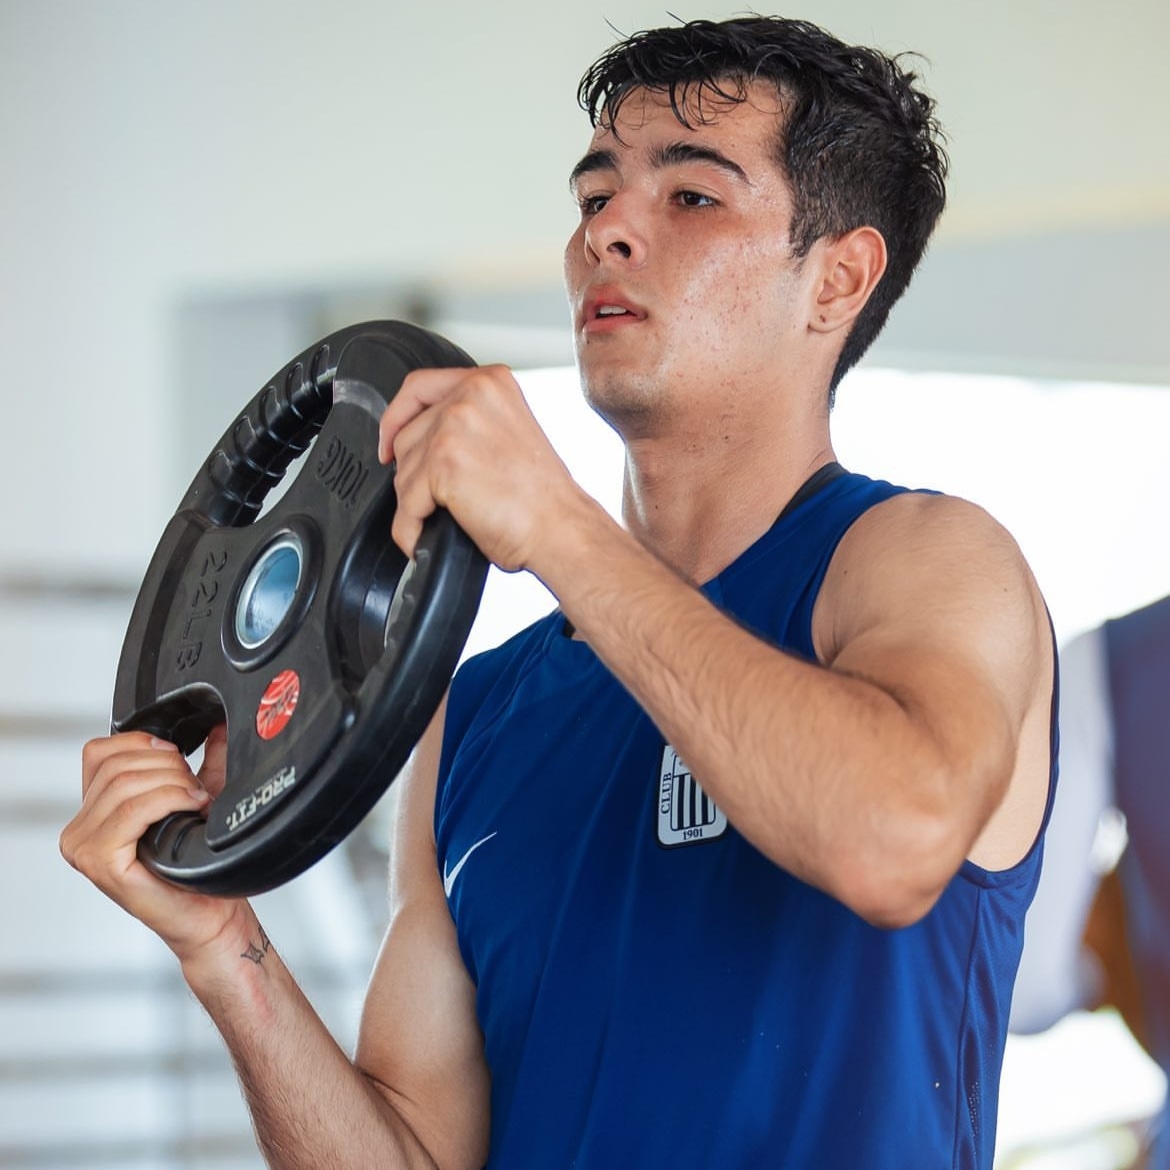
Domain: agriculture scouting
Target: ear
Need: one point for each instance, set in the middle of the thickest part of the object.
(851, 267)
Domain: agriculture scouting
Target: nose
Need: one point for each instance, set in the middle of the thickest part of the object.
(613, 235)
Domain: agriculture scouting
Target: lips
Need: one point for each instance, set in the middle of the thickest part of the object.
(606, 309)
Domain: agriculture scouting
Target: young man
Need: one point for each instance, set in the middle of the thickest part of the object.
(725, 863)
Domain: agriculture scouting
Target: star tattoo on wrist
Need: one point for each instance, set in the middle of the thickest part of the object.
(255, 954)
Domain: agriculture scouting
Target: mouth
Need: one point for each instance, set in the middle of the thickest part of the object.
(604, 311)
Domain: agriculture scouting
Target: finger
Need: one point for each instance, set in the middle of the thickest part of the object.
(129, 784)
(415, 503)
(103, 837)
(149, 760)
(131, 789)
(413, 481)
(420, 390)
(213, 771)
(97, 753)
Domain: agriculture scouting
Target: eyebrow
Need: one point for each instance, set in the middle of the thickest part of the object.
(673, 154)
(595, 160)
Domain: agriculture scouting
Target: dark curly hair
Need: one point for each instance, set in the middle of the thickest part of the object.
(858, 143)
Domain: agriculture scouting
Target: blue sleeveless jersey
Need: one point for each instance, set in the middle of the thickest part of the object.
(653, 991)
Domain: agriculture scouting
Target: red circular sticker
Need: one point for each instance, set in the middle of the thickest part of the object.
(277, 704)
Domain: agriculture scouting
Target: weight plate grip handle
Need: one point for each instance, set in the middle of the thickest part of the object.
(254, 453)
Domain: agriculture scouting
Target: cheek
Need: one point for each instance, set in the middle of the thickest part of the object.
(572, 258)
(575, 258)
(721, 291)
(754, 284)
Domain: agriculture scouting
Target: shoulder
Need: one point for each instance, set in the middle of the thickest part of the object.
(934, 534)
(932, 567)
(919, 521)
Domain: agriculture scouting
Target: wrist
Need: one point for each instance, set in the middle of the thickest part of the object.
(606, 582)
(574, 545)
(239, 950)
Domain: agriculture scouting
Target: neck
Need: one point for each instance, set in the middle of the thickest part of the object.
(698, 501)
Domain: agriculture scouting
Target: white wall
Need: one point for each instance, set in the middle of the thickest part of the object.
(151, 152)
(151, 149)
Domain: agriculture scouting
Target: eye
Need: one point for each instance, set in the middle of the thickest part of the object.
(592, 204)
(694, 199)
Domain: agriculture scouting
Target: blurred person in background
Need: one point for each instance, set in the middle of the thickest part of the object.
(1098, 932)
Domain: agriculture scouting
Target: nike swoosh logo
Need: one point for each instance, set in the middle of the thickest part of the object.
(449, 878)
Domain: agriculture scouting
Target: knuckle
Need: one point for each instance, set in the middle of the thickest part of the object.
(490, 382)
(446, 444)
(130, 809)
(403, 532)
(92, 753)
(141, 807)
(109, 774)
(84, 858)
(401, 450)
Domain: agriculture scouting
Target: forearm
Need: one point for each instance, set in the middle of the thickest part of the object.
(829, 775)
(313, 1108)
(310, 1105)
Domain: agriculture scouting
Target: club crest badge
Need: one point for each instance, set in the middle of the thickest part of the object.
(686, 814)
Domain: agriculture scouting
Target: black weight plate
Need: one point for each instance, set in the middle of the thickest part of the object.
(304, 626)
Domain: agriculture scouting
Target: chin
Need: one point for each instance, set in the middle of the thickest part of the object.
(626, 401)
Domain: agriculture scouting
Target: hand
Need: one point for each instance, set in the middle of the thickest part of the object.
(129, 782)
(213, 771)
(465, 439)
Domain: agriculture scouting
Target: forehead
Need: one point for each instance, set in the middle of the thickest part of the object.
(751, 125)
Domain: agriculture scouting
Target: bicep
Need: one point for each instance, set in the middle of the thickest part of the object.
(927, 591)
(930, 600)
(419, 1041)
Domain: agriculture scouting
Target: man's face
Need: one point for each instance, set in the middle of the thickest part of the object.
(679, 275)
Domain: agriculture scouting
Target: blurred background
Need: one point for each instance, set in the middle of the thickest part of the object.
(192, 193)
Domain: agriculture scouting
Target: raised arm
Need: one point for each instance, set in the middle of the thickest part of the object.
(416, 1096)
(919, 738)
